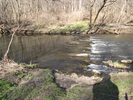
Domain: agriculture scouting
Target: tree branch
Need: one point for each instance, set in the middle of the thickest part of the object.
(104, 2)
(6, 54)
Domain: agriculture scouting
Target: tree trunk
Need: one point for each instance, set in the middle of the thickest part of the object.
(122, 10)
(72, 6)
(80, 5)
(104, 2)
(37, 8)
(91, 13)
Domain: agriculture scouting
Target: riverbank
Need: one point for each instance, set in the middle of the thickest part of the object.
(79, 27)
(24, 81)
(42, 29)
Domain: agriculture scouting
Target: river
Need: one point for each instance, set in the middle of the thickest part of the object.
(70, 53)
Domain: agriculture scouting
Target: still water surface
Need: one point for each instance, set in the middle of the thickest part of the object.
(31, 48)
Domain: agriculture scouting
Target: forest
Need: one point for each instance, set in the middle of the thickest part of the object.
(63, 11)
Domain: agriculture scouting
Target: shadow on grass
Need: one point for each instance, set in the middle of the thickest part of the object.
(105, 90)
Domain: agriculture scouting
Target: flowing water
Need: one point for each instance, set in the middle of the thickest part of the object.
(110, 47)
(59, 52)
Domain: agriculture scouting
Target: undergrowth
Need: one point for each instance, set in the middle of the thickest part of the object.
(5, 88)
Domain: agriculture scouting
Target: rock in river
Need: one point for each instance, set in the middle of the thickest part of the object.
(117, 65)
(96, 72)
(127, 61)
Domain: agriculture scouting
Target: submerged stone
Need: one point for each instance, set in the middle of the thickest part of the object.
(96, 72)
(85, 67)
(108, 63)
(74, 75)
(127, 61)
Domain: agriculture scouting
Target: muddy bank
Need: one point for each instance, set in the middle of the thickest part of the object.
(5, 32)
(119, 28)
(102, 31)
(69, 81)
(113, 29)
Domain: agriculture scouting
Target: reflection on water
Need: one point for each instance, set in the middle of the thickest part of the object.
(25, 49)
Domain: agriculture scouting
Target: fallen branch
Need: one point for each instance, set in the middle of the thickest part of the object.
(6, 54)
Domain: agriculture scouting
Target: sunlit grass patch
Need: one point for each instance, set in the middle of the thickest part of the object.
(124, 82)
(32, 65)
(119, 65)
(79, 26)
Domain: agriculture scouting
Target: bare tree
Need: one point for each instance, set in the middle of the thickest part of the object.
(15, 11)
(80, 5)
(91, 12)
(103, 5)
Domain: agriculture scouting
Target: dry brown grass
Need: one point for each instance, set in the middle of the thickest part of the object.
(57, 19)
(8, 66)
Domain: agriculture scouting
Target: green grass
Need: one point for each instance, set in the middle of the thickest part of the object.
(30, 76)
(49, 83)
(124, 82)
(29, 65)
(22, 75)
(48, 89)
(5, 88)
(22, 66)
(20, 92)
(78, 26)
(25, 91)
(116, 63)
(119, 65)
(32, 65)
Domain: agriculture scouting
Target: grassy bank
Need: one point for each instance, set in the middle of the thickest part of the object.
(41, 28)
(40, 84)
(124, 82)
(64, 29)
(33, 85)
(77, 26)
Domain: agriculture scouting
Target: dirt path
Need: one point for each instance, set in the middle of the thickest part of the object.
(69, 81)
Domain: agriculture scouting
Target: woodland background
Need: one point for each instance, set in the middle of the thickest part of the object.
(57, 11)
